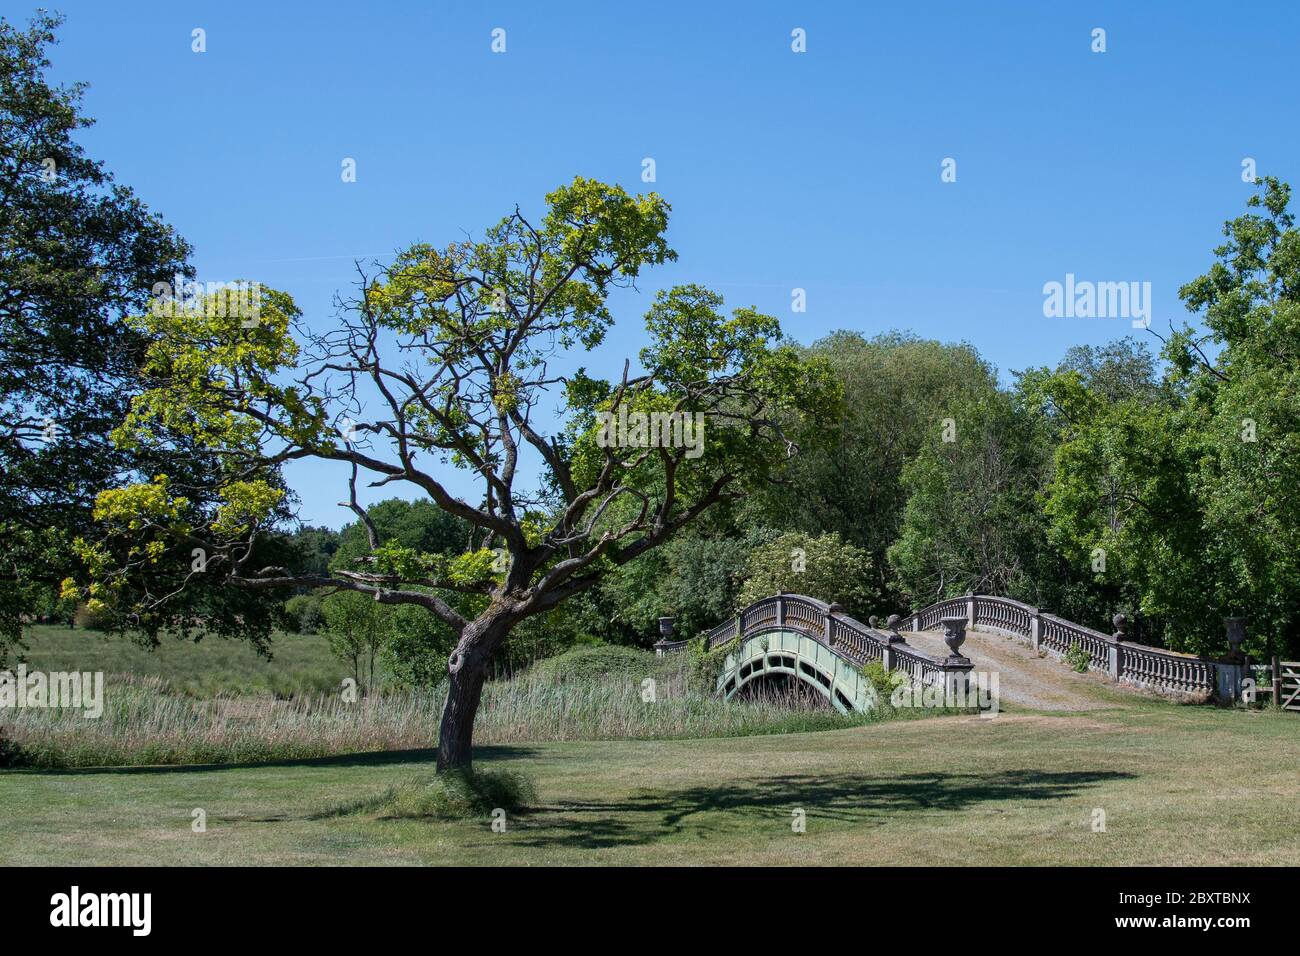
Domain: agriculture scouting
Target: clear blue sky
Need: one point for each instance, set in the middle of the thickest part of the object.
(818, 170)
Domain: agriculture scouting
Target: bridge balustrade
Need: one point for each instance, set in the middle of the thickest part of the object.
(1123, 660)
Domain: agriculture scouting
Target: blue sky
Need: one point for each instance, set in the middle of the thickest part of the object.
(818, 170)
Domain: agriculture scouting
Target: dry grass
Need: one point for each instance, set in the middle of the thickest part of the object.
(144, 724)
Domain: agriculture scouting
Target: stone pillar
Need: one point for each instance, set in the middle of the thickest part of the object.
(888, 659)
(970, 610)
(829, 631)
(1035, 629)
(1115, 653)
(780, 609)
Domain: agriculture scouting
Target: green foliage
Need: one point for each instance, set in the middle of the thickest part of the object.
(821, 566)
(596, 661)
(882, 681)
(314, 550)
(306, 613)
(80, 251)
(695, 578)
(415, 653)
(706, 664)
(1077, 657)
(899, 387)
(357, 628)
(972, 521)
(1188, 487)
(420, 526)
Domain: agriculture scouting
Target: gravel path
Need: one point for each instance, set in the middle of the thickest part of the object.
(1025, 679)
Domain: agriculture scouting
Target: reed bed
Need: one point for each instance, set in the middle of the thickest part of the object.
(144, 723)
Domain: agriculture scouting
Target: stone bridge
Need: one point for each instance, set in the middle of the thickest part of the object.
(790, 637)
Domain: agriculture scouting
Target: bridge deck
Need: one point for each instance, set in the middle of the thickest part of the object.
(1025, 680)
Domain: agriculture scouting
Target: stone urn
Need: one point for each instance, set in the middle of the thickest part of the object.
(1121, 627)
(1235, 630)
(666, 628)
(954, 633)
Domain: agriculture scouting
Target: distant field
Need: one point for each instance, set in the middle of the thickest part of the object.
(301, 663)
(1178, 785)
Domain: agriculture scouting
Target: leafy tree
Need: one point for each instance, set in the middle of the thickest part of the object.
(902, 387)
(695, 578)
(1188, 488)
(357, 628)
(1239, 427)
(415, 651)
(972, 522)
(445, 359)
(419, 525)
(822, 566)
(317, 548)
(80, 251)
(305, 613)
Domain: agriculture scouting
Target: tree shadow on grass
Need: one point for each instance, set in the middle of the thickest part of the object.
(650, 816)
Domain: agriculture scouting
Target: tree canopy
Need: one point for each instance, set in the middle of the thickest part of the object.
(80, 252)
(443, 360)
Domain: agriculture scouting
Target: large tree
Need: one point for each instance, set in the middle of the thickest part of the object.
(447, 359)
(1187, 488)
(79, 252)
(903, 387)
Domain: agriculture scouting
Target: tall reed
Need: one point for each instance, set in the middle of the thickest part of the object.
(144, 724)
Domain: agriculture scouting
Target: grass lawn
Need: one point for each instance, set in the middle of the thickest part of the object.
(301, 663)
(1179, 785)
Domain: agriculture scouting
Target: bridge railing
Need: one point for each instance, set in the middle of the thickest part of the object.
(1122, 659)
(829, 626)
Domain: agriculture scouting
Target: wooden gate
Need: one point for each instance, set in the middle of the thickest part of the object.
(1286, 680)
(1283, 683)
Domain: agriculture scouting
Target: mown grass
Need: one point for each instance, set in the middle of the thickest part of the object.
(1178, 785)
(144, 723)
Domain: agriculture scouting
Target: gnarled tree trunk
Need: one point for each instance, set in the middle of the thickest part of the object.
(467, 669)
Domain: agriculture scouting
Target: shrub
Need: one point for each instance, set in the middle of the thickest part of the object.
(304, 613)
(707, 665)
(92, 620)
(882, 680)
(418, 645)
(822, 566)
(595, 661)
(1077, 657)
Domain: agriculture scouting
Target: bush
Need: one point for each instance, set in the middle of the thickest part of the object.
(418, 646)
(707, 665)
(1077, 657)
(595, 661)
(882, 680)
(92, 620)
(822, 567)
(305, 613)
